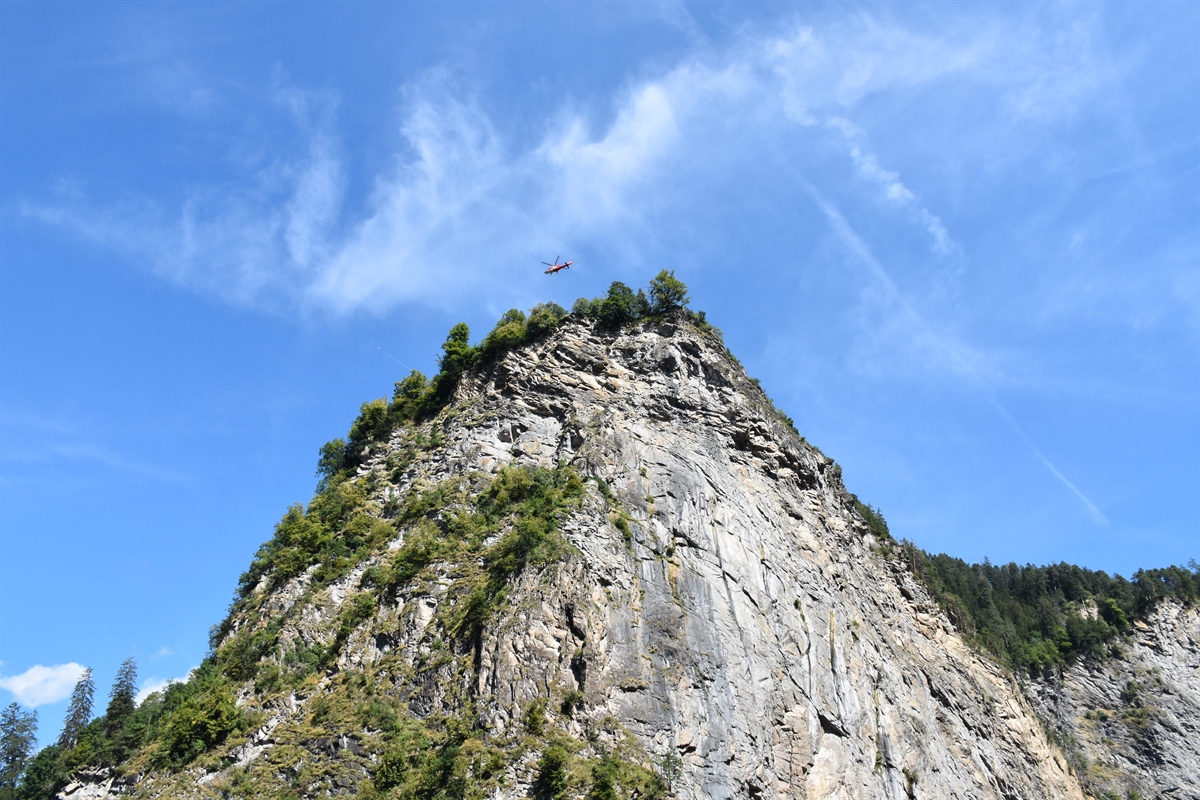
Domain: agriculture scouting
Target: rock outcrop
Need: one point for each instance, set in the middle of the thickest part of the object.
(1131, 724)
(748, 627)
(720, 616)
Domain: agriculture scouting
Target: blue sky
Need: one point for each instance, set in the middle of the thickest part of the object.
(959, 245)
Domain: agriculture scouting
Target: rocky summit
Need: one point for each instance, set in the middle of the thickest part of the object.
(608, 567)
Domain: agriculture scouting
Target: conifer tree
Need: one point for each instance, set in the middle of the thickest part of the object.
(667, 292)
(121, 699)
(18, 734)
(79, 711)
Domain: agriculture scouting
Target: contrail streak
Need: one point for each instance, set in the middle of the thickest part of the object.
(1097, 516)
(392, 357)
(949, 349)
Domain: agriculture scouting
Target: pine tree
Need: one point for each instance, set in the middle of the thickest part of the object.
(667, 292)
(18, 735)
(121, 699)
(79, 711)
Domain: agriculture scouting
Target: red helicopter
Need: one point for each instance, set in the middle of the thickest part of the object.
(556, 267)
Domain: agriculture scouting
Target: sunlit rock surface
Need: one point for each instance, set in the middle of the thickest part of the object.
(744, 624)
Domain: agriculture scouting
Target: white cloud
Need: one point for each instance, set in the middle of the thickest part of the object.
(39, 439)
(836, 67)
(458, 193)
(892, 189)
(40, 685)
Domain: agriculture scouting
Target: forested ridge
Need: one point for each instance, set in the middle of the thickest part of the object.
(1037, 617)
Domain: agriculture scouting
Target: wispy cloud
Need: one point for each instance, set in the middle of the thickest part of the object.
(890, 185)
(285, 236)
(39, 439)
(38, 685)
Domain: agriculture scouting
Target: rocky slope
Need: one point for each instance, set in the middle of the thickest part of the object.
(716, 619)
(1132, 724)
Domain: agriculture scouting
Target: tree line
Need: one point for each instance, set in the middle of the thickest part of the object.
(84, 741)
(1033, 618)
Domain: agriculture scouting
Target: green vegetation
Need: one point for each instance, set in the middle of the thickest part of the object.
(535, 717)
(334, 532)
(527, 505)
(622, 305)
(431, 759)
(614, 778)
(18, 735)
(874, 519)
(552, 772)
(1030, 617)
(168, 730)
(572, 700)
(450, 522)
(79, 710)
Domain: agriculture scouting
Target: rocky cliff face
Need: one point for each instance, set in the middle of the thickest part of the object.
(717, 620)
(1131, 725)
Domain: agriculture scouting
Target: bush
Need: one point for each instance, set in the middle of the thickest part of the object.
(585, 308)
(571, 701)
(457, 354)
(202, 722)
(409, 397)
(372, 425)
(509, 332)
(331, 461)
(552, 772)
(874, 519)
(425, 760)
(613, 778)
(1113, 614)
(544, 317)
(535, 717)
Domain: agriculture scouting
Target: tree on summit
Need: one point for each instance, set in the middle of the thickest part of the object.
(620, 306)
(457, 357)
(667, 292)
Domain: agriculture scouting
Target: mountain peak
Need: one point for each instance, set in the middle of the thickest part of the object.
(590, 558)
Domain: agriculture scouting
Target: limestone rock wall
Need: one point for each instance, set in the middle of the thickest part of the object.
(747, 626)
